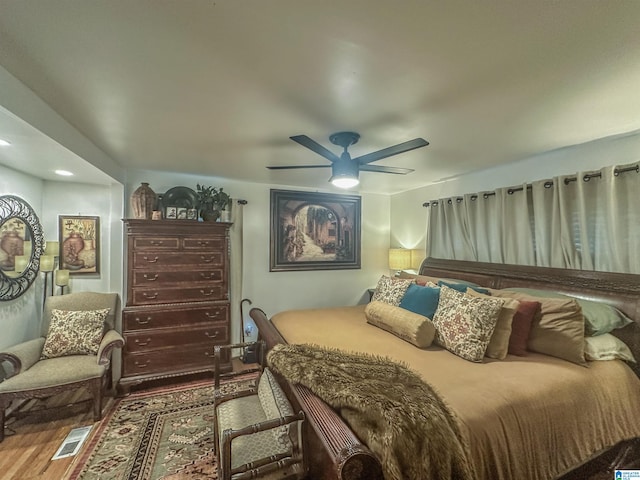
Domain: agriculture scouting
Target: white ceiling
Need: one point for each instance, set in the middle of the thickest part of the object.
(216, 87)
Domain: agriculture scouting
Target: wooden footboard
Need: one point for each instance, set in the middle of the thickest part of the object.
(332, 449)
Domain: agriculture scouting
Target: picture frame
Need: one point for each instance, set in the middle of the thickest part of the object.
(192, 214)
(79, 240)
(181, 213)
(171, 213)
(314, 231)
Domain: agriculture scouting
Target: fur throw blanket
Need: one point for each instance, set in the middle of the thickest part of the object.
(390, 408)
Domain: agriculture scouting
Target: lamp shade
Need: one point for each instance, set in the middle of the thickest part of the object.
(47, 263)
(417, 255)
(399, 258)
(52, 248)
(62, 278)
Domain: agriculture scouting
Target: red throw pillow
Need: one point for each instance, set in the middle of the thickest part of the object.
(521, 327)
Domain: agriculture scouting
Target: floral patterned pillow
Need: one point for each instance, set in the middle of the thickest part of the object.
(391, 290)
(464, 324)
(74, 333)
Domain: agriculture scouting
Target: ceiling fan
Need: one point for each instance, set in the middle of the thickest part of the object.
(344, 169)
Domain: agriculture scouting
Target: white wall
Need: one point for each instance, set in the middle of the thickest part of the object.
(276, 291)
(409, 217)
(64, 198)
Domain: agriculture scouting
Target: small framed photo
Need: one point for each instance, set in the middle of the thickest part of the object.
(182, 213)
(171, 213)
(192, 214)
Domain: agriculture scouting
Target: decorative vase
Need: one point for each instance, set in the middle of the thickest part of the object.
(225, 216)
(143, 202)
(209, 215)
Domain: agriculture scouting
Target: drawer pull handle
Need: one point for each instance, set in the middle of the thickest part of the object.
(143, 322)
(203, 243)
(142, 365)
(215, 314)
(207, 334)
(143, 343)
(150, 296)
(206, 294)
(154, 260)
(156, 243)
(206, 259)
(208, 276)
(150, 278)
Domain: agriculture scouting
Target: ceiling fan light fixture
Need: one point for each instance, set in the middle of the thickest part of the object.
(344, 182)
(344, 174)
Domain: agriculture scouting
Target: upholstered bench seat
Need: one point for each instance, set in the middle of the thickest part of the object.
(243, 412)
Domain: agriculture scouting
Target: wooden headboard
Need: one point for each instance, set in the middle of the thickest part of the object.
(622, 290)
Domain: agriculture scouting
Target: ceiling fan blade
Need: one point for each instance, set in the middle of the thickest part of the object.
(381, 169)
(315, 146)
(395, 150)
(288, 167)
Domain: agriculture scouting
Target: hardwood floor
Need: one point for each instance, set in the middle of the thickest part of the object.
(31, 440)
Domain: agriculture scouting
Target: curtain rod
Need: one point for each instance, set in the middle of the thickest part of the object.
(548, 184)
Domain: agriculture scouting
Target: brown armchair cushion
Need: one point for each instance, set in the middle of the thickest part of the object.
(74, 333)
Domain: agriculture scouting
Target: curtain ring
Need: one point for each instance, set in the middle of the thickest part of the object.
(586, 178)
(548, 184)
(449, 202)
(459, 199)
(474, 197)
(510, 191)
(485, 196)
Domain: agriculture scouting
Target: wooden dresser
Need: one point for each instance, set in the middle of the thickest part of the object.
(177, 304)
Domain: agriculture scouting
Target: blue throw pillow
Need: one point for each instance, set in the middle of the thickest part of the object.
(462, 287)
(421, 300)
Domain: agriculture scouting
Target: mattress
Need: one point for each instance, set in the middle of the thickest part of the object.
(532, 417)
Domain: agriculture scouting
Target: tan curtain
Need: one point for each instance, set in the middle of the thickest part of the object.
(487, 227)
(589, 221)
(236, 283)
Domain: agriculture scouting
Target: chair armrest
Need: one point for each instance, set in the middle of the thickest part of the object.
(111, 340)
(216, 360)
(22, 356)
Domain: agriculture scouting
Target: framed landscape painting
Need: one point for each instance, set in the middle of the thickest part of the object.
(314, 231)
(79, 238)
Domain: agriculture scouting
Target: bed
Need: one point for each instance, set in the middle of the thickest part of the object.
(535, 416)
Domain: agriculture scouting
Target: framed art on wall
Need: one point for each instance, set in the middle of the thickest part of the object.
(79, 238)
(314, 231)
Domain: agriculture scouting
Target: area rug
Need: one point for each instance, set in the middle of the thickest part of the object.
(160, 434)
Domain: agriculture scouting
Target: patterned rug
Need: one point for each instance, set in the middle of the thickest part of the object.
(160, 434)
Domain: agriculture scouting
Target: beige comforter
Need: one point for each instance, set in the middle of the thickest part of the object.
(533, 417)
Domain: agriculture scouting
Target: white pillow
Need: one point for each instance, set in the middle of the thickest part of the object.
(607, 347)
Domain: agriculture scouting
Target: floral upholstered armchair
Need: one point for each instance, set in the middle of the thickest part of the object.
(74, 351)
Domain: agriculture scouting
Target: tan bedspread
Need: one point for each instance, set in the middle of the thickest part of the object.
(533, 417)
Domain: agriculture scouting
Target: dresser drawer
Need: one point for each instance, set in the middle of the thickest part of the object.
(165, 317)
(156, 243)
(198, 357)
(144, 341)
(205, 243)
(151, 278)
(157, 259)
(155, 296)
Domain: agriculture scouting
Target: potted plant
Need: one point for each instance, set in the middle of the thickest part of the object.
(212, 202)
(221, 200)
(206, 196)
